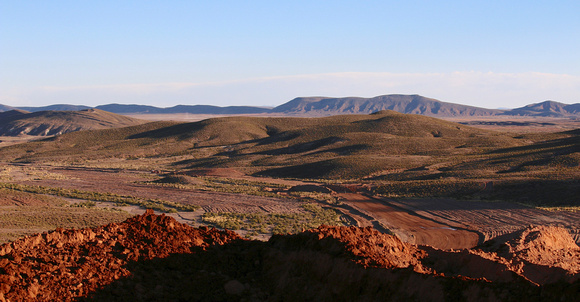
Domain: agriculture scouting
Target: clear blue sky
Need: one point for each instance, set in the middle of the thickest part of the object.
(484, 53)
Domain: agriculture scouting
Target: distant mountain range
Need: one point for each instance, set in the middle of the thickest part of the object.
(57, 107)
(416, 104)
(324, 106)
(144, 109)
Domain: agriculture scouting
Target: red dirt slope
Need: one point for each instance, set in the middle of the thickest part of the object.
(154, 258)
(70, 263)
(543, 254)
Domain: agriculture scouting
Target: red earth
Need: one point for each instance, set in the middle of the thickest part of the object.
(155, 258)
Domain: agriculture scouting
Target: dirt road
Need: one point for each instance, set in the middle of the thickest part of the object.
(492, 219)
(411, 227)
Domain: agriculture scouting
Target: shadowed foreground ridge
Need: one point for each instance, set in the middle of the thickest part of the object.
(155, 258)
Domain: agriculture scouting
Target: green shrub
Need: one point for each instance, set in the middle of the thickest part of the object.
(276, 223)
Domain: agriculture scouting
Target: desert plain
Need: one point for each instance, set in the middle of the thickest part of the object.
(474, 209)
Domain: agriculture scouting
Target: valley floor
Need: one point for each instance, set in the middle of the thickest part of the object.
(441, 223)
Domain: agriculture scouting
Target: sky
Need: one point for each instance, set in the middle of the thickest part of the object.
(491, 54)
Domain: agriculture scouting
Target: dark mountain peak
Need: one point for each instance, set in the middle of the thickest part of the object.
(546, 105)
(413, 104)
(297, 104)
(547, 108)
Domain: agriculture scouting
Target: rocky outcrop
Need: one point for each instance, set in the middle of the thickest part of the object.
(154, 258)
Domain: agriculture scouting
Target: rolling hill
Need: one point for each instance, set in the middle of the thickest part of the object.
(47, 123)
(12, 114)
(403, 154)
(347, 146)
(4, 108)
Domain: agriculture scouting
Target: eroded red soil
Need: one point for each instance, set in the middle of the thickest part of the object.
(411, 227)
(491, 219)
(155, 258)
(21, 200)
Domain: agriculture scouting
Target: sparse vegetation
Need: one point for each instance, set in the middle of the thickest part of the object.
(431, 188)
(19, 221)
(23, 213)
(260, 223)
(338, 147)
(316, 196)
(155, 204)
(220, 184)
(395, 154)
(85, 204)
(335, 163)
(545, 193)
